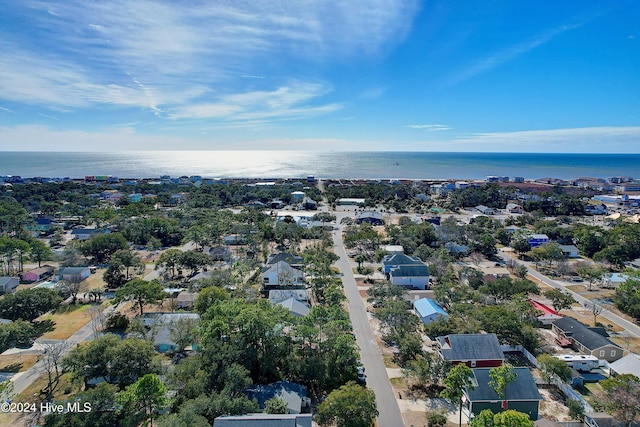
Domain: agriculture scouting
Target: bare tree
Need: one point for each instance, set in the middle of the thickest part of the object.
(595, 309)
(476, 258)
(97, 319)
(53, 353)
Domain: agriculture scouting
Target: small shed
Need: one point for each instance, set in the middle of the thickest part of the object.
(8, 284)
(428, 310)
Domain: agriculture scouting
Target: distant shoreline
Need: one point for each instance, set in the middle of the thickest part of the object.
(274, 165)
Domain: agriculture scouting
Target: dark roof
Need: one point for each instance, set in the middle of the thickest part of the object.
(291, 393)
(264, 420)
(72, 270)
(523, 387)
(401, 259)
(410, 271)
(470, 347)
(286, 257)
(581, 333)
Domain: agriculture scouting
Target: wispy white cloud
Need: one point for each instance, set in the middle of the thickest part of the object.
(622, 139)
(174, 60)
(48, 116)
(510, 53)
(8, 110)
(431, 128)
(286, 102)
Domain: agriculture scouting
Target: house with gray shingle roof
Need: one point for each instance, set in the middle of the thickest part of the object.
(263, 420)
(587, 340)
(406, 271)
(521, 394)
(474, 350)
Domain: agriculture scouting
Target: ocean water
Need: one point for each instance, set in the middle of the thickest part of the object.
(300, 164)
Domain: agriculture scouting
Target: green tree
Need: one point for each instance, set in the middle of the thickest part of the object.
(622, 397)
(28, 304)
(436, 418)
(184, 332)
(501, 376)
(141, 292)
(208, 296)
(349, 406)
(144, 398)
(560, 300)
(576, 410)
(512, 418)
(169, 260)
(39, 251)
(458, 379)
(552, 367)
(102, 246)
(102, 399)
(115, 360)
(589, 272)
(627, 296)
(521, 246)
(275, 405)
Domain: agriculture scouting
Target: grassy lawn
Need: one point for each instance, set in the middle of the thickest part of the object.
(398, 382)
(17, 362)
(388, 362)
(94, 281)
(68, 319)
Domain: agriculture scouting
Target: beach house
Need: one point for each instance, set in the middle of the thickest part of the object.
(474, 350)
(586, 340)
(428, 310)
(8, 284)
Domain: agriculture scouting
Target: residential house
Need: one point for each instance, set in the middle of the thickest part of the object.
(87, 233)
(41, 225)
(278, 295)
(350, 202)
(8, 284)
(569, 251)
(296, 308)
(428, 310)
(587, 340)
(485, 210)
(37, 274)
(614, 280)
(161, 325)
(297, 196)
(537, 239)
(291, 259)
(185, 300)
(546, 314)
(514, 208)
(264, 420)
(474, 350)
(135, 197)
(521, 394)
(73, 274)
(218, 253)
(295, 395)
(371, 217)
(281, 274)
(630, 364)
(406, 271)
(601, 419)
(410, 276)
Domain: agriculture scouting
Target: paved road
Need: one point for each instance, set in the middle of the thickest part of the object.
(377, 378)
(23, 380)
(630, 327)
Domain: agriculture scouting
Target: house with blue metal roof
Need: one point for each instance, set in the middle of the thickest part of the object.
(428, 310)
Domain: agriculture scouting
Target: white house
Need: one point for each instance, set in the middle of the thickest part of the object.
(281, 273)
(613, 280)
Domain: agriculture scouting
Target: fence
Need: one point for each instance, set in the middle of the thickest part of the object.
(566, 389)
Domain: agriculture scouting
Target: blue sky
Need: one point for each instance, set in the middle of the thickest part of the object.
(494, 75)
